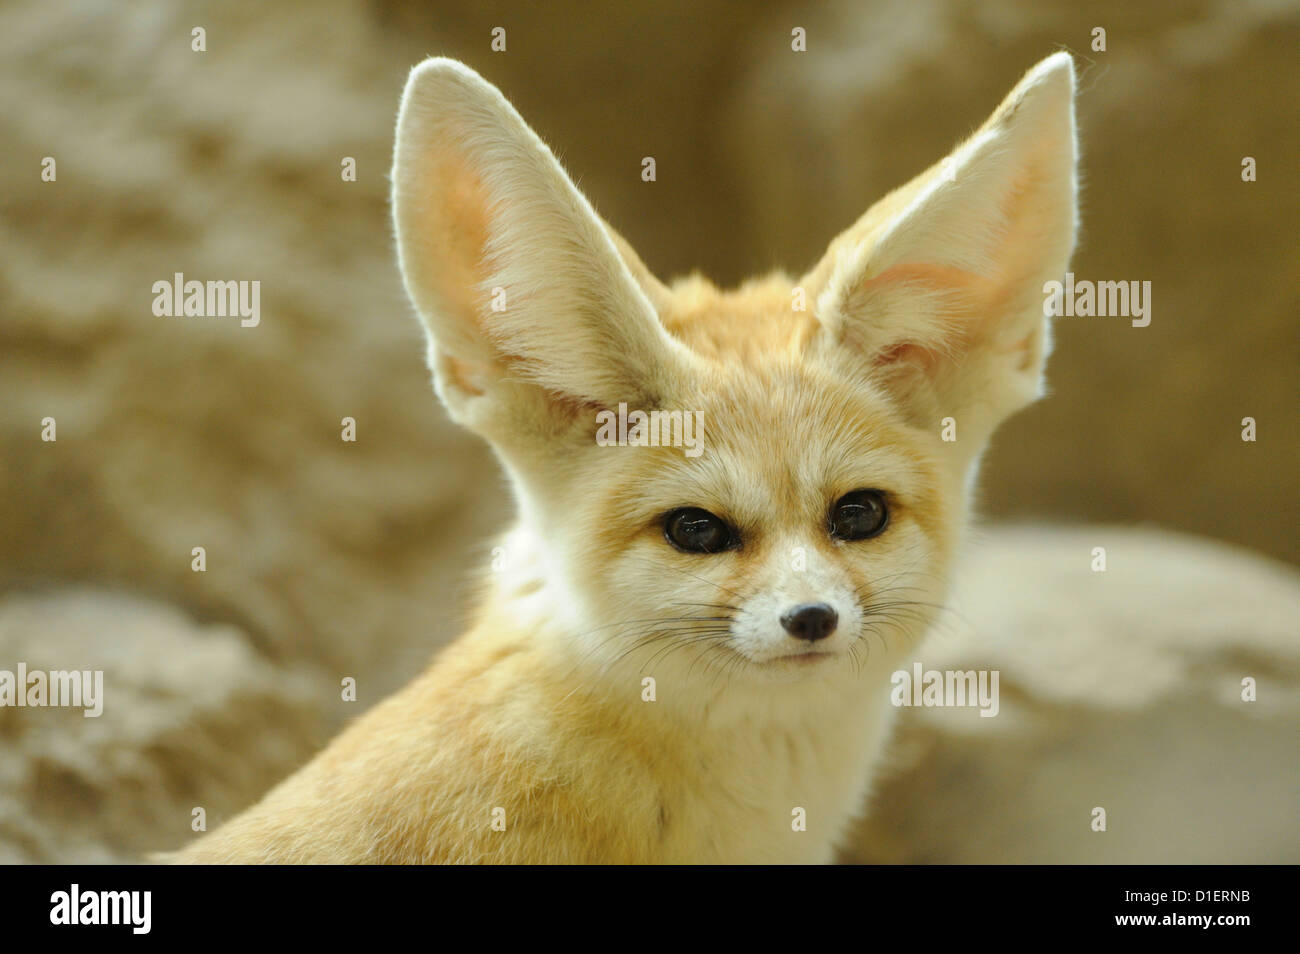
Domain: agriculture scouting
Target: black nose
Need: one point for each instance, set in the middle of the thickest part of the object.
(810, 621)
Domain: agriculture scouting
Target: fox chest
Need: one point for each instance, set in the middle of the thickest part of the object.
(778, 797)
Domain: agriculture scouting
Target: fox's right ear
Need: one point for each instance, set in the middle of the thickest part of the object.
(938, 290)
(525, 294)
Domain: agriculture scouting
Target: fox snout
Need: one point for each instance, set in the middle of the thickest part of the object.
(798, 616)
(810, 621)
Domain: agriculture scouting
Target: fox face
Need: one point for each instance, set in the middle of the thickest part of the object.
(788, 480)
(809, 529)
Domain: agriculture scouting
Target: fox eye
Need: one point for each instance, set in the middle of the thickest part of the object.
(859, 515)
(698, 531)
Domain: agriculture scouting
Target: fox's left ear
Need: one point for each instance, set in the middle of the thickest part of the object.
(534, 308)
(939, 287)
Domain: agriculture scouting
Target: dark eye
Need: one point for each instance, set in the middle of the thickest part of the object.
(698, 531)
(859, 515)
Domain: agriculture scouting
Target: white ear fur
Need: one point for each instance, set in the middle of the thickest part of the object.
(482, 209)
(940, 285)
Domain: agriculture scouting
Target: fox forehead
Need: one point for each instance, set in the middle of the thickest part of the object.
(765, 317)
(775, 409)
(781, 439)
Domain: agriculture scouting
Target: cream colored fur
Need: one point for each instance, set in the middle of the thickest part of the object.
(531, 739)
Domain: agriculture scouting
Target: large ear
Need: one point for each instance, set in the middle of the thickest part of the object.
(939, 287)
(524, 292)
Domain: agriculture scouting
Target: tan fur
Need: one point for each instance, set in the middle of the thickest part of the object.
(927, 308)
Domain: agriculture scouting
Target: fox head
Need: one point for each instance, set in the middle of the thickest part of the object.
(827, 428)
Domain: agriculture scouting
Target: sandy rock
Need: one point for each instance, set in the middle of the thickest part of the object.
(1119, 689)
(191, 717)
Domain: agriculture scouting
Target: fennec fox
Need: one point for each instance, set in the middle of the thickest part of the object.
(685, 652)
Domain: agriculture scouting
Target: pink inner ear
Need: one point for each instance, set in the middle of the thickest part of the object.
(934, 276)
(461, 240)
(926, 351)
(467, 376)
(974, 312)
(909, 354)
(971, 296)
(461, 262)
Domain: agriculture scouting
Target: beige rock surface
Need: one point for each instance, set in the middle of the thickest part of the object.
(192, 717)
(1119, 689)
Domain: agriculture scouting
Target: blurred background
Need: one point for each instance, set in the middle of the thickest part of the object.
(328, 559)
